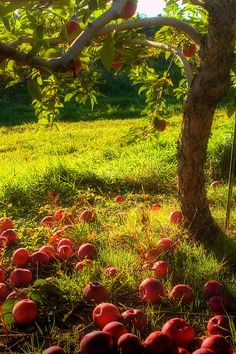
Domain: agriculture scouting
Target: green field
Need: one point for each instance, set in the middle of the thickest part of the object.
(84, 165)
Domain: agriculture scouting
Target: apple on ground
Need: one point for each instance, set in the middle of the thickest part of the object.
(10, 234)
(213, 288)
(2, 275)
(39, 258)
(160, 125)
(115, 329)
(65, 241)
(165, 244)
(51, 252)
(17, 294)
(111, 271)
(25, 311)
(87, 250)
(155, 207)
(65, 252)
(182, 293)
(151, 290)
(55, 349)
(56, 236)
(87, 216)
(183, 351)
(5, 223)
(218, 344)
(119, 199)
(129, 343)
(4, 292)
(219, 324)
(203, 351)
(161, 269)
(21, 277)
(176, 217)
(95, 291)
(160, 343)
(180, 331)
(86, 262)
(105, 313)
(21, 257)
(98, 342)
(218, 304)
(48, 221)
(134, 318)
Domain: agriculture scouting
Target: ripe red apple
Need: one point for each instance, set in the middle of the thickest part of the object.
(10, 234)
(180, 331)
(119, 199)
(25, 311)
(129, 343)
(98, 342)
(183, 293)
(48, 221)
(55, 349)
(95, 291)
(135, 318)
(165, 245)
(58, 215)
(105, 313)
(129, 9)
(51, 252)
(65, 252)
(176, 217)
(218, 344)
(65, 241)
(5, 223)
(72, 26)
(21, 277)
(161, 269)
(203, 351)
(116, 64)
(115, 329)
(152, 254)
(87, 250)
(21, 257)
(87, 216)
(218, 304)
(155, 207)
(151, 290)
(189, 50)
(2, 275)
(4, 292)
(160, 343)
(183, 351)
(111, 271)
(219, 324)
(82, 264)
(39, 258)
(213, 288)
(20, 295)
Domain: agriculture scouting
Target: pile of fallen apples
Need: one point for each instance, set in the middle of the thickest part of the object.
(114, 329)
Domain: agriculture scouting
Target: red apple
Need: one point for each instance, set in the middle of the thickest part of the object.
(183, 351)
(189, 50)
(115, 329)
(218, 304)
(180, 331)
(39, 258)
(87, 250)
(2, 275)
(129, 9)
(129, 343)
(135, 318)
(5, 223)
(4, 292)
(161, 269)
(65, 241)
(160, 343)
(105, 313)
(176, 217)
(182, 293)
(111, 271)
(10, 234)
(119, 199)
(65, 252)
(203, 351)
(25, 311)
(213, 288)
(87, 216)
(155, 207)
(116, 64)
(84, 263)
(165, 245)
(48, 221)
(96, 342)
(219, 324)
(72, 26)
(21, 277)
(218, 344)
(58, 215)
(55, 349)
(95, 291)
(51, 252)
(20, 295)
(21, 257)
(151, 290)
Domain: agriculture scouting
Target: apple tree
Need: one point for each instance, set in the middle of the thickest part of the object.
(56, 46)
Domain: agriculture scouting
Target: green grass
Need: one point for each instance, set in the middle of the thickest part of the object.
(84, 165)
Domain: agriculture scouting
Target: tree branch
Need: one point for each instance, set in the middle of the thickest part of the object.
(168, 48)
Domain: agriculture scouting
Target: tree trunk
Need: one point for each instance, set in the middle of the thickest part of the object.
(208, 88)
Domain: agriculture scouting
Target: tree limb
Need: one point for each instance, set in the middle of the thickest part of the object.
(168, 48)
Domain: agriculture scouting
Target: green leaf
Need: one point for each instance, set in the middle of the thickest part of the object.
(7, 308)
(6, 23)
(39, 31)
(93, 5)
(34, 89)
(107, 51)
(39, 282)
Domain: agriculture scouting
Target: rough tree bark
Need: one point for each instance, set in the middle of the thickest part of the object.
(208, 88)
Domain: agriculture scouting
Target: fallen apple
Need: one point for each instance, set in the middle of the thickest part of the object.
(165, 245)
(65, 241)
(21, 277)
(115, 329)
(160, 343)
(180, 331)
(134, 318)
(111, 271)
(50, 251)
(25, 311)
(38, 258)
(2, 275)
(87, 250)
(161, 269)
(21, 257)
(218, 304)
(87, 216)
(10, 234)
(95, 291)
(55, 349)
(203, 351)
(151, 290)
(219, 324)
(182, 293)
(218, 344)
(5, 223)
(84, 263)
(105, 313)
(176, 217)
(213, 288)
(119, 199)
(129, 343)
(4, 292)
(98, 342)
(48, 221)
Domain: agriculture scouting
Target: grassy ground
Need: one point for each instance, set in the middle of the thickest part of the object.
(84, 165)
